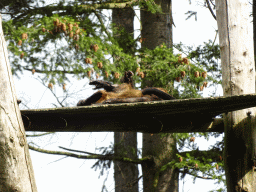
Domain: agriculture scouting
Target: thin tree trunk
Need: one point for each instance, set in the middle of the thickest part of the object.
(238, 77)
(16, 172)
(125, 174)
(254, 27)
(156, 30)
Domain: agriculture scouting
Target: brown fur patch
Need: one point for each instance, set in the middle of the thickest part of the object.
(123, 91)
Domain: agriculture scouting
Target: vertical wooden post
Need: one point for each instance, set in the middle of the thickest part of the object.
(16, 172)
(238, 76)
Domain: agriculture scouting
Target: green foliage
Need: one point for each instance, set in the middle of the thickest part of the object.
(172, 72)
(103, 164)
(124, 39)
(150, 5)
(199, 163)
(206, 56)
(55, 54)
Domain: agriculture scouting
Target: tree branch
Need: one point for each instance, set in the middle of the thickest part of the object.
(209, 7)
(102, 24)
(39, 135)
(213, 154)
(121, 5)
(96, 156)
(48, 10)
(46, 71)
(78, 151)
(194, 175)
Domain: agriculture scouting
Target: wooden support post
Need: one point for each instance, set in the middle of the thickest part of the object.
(16, 172)
(238, 75)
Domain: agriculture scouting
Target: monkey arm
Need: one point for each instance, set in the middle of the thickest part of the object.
(103, 84)
(92, 99)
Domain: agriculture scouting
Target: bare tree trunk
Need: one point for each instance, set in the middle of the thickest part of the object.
(254, 26)
(156, 30)
(238, 75)
(16, 172)
(124, 18)
(162, 149)
(125, 174)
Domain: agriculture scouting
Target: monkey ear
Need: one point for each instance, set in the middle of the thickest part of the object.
(128, 78)
(129, 74)
(157, 92)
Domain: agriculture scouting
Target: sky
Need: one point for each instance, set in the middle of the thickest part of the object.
(58, 173)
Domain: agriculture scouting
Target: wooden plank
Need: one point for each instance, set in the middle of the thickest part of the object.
(185, 115)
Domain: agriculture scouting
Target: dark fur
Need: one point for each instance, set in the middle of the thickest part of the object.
(124, 93)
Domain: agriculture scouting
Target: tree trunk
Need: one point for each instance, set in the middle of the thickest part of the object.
(254, 26)
(123, 18)
(238, 76)
(16, 172)
(125, 174)
(156, 30)
(162, 149)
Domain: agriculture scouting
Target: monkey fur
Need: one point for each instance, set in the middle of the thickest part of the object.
(124, 93)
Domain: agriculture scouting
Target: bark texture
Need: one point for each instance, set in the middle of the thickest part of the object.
(254, 27)
(125, 174)
(16, 172)
(162, 149)
(238, 75)
(156, 30)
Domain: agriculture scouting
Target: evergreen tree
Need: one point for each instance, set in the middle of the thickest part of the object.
(84, 47)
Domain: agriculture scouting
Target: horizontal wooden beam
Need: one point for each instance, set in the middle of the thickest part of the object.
(185, 115)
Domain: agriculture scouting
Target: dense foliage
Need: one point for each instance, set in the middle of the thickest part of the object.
(56, 46)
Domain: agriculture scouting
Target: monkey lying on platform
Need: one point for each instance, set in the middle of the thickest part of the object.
(124, 93)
